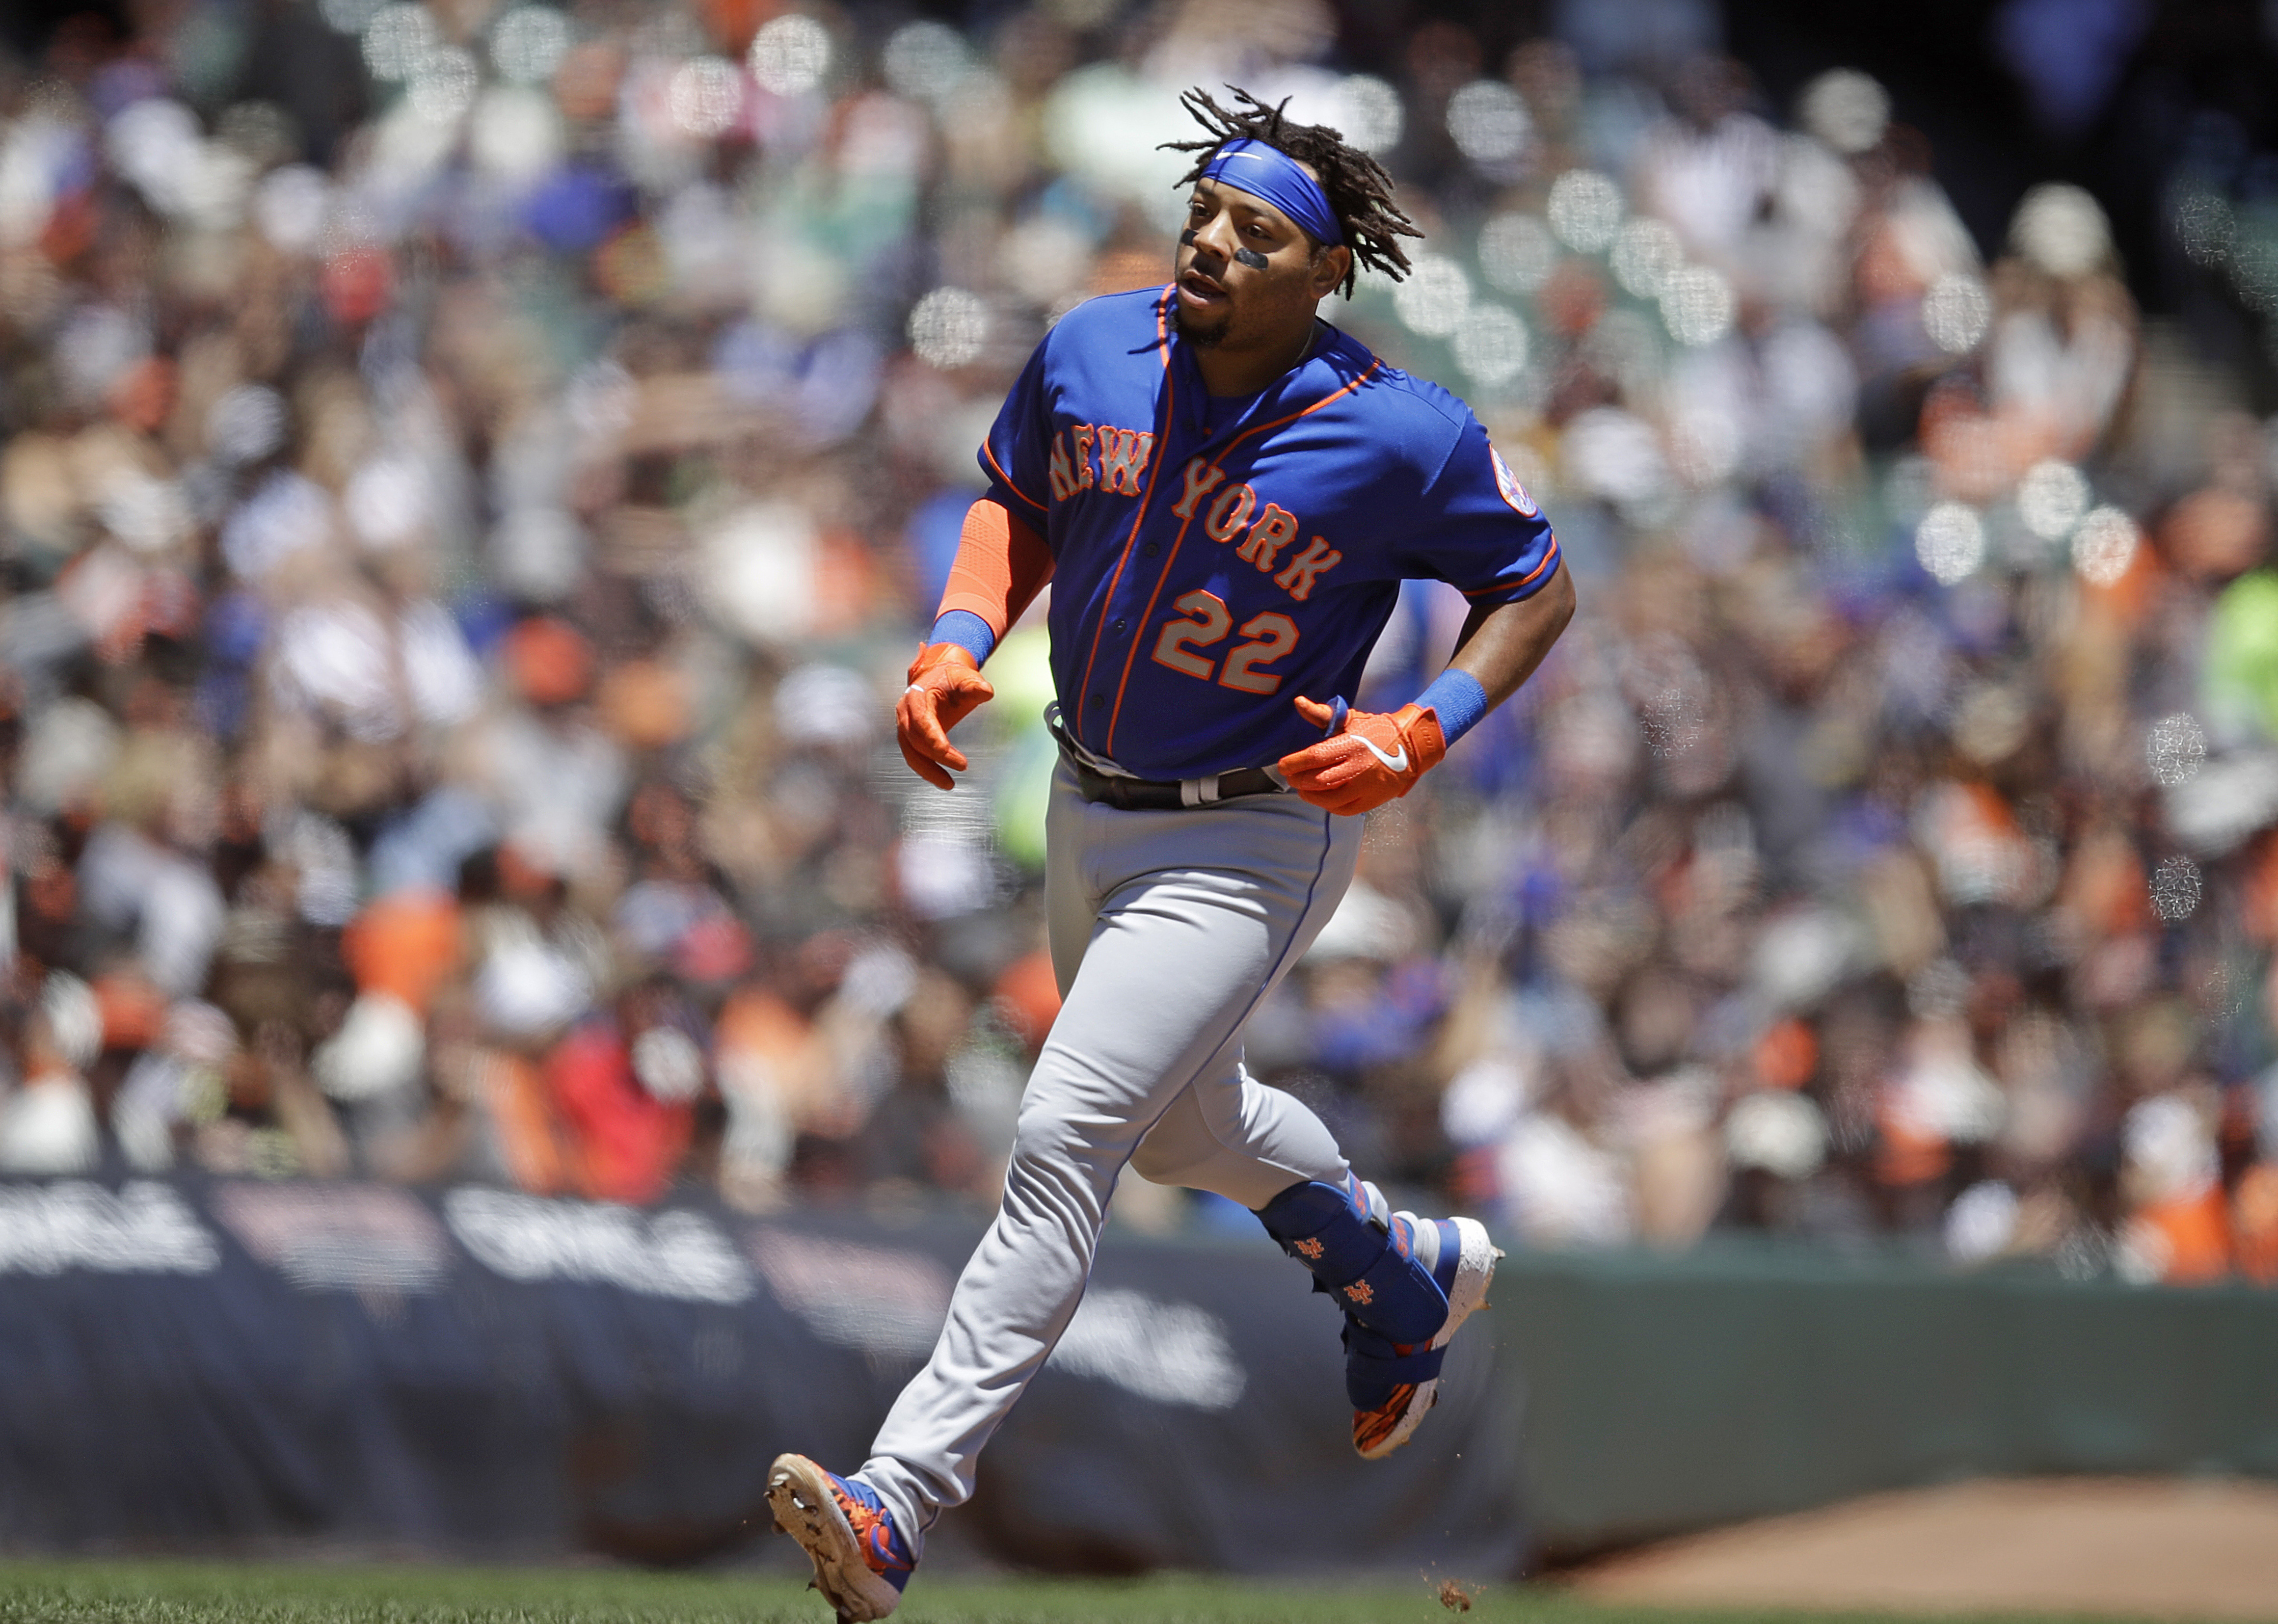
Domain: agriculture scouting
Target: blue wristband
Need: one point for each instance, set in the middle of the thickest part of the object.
(971, 633)
(1457, 698)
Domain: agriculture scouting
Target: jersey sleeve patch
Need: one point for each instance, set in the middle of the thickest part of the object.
(1513, 492)
(1476, 527)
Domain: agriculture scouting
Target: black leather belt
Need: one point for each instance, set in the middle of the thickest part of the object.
(1150, 795)
(1147, 795)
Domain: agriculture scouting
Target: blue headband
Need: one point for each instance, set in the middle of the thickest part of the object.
(1272, 174)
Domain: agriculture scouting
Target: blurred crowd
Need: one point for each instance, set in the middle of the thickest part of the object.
(474, 472)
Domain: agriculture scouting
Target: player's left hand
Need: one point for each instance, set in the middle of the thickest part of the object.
(1368, 758)
(946, 687)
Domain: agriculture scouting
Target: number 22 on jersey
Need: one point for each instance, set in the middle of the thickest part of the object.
(1204, 621)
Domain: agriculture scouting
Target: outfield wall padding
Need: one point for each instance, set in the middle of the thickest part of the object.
(231, 1365)
(199, 1364)
(1668, 1393)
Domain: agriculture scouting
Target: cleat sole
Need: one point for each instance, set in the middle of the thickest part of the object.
(800, 1496)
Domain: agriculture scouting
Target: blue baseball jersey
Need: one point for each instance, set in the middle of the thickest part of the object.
(1209, 566)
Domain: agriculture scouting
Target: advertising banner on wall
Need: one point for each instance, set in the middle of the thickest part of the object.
(477, 1373)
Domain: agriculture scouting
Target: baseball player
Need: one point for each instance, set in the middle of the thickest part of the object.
(1226, 493)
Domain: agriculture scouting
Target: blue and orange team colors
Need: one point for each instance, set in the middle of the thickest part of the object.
(1212, 559)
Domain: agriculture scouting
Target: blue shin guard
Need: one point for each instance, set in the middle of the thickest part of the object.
(1365, 1257)
(1376, 1364)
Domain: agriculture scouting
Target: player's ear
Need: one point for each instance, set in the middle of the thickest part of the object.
(1329, 269)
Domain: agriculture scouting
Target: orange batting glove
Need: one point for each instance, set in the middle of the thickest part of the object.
(1369, 759)
(945, 687)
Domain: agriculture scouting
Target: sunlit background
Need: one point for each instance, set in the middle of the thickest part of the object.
(473, 476)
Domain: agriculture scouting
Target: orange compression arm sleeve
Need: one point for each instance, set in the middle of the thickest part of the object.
(1001, 565)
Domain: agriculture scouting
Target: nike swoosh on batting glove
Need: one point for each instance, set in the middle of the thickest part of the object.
(946, 687)
(1371, 759)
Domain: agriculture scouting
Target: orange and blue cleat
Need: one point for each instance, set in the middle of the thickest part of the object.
(861, 1561)
(1394, 1385)
(1406, 1287)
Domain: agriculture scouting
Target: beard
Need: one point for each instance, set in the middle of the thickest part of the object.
(1200, 337)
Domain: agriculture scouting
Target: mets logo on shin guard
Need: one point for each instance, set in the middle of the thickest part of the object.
(1507, 482)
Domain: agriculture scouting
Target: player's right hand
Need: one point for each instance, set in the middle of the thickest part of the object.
(946, 687)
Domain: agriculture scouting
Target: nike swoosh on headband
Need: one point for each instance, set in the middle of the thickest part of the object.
(1277, 177)
(1397, 764)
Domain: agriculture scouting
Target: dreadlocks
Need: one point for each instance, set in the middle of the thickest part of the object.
(1359, 189)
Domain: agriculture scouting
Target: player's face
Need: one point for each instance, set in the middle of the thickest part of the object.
(1247, 278)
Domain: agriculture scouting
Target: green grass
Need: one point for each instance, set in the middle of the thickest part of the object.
(136, 1592)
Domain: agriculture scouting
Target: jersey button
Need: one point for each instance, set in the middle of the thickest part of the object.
(1151, 549)
(1099, 698)
(1121, 624)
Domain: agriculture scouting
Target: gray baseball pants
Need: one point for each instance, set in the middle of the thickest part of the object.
(1167, 929)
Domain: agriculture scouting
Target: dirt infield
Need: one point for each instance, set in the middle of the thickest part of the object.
(2168, 1548)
